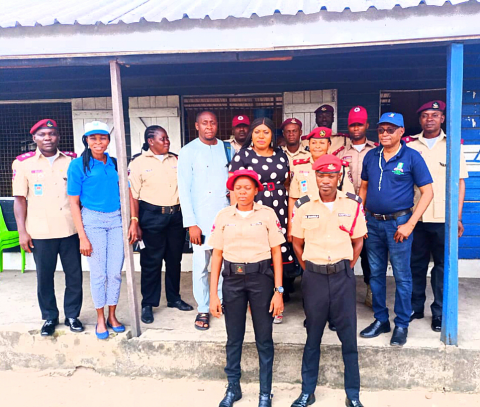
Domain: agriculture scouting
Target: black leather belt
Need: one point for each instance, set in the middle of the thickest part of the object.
(246, 268)
(326, 268)
(391, 216)
(160, 209)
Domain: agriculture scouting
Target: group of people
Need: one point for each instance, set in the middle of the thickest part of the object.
(261, 214)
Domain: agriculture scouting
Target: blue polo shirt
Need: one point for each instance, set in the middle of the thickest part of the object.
(400, 174)
(98, 189)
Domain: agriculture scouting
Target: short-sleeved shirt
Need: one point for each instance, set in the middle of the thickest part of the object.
(355, 160)
(98, 188)
(398, 177)
(45, 188)
(154, 181)
(304, 180)
(436, 159)
(249, 239)
(301, 153)
(327, 233)
(235, 145)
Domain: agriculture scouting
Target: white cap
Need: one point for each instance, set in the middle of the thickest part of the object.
(96, 128)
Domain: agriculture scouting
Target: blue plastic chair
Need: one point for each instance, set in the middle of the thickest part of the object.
(8, 239)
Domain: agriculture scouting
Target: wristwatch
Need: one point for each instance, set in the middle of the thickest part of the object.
(280, 290)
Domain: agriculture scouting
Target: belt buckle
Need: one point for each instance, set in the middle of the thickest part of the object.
(330, 268)
(270, 186)
(239, 268)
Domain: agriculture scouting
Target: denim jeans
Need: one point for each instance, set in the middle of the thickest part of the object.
(381, 244)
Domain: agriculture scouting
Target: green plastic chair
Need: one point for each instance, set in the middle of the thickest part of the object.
(8, 239)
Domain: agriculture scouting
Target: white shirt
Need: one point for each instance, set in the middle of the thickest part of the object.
(359, 147)
(160, 157)
(244, 214)
(52, 158)
(430, 141)
(329, 205)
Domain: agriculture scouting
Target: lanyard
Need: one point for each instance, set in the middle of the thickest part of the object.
(380, 165)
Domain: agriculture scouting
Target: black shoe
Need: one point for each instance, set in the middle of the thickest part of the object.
(375, 329)
(332, 327)
(75, 324)
(305, 323)
(147, 314)
(353, 403)
(437, 324)
(416, 315)
(233, 394)
(48, 327)
(265, 400)
(399, 337)
(181, 305)
(304, 400)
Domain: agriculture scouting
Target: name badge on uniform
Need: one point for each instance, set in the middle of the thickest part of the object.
(344, 214)
(38, 189)
(256, 224)
(312, 216)
(303, 186)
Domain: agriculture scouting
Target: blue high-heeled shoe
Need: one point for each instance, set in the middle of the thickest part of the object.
(101, 335)
(116, 329)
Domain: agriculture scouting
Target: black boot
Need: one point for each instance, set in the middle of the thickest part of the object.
(265, 400)
(233, 394)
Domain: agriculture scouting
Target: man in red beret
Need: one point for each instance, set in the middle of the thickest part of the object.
(240, 126)
(328, 230)
(292, 132)
(429, 232)
(45, 225)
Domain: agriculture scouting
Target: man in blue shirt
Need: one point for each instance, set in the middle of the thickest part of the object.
(202, 188)
(389, 175)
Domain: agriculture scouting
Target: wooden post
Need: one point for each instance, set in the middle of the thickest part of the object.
(454, 132)
(119, 125)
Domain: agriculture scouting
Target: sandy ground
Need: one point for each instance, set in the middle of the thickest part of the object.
(87, 388)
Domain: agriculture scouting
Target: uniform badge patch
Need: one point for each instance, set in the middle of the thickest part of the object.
(239, 269)
(13, 175)
(303, 186)
(435, 105)
(213, 228)
(398, 170)
(331, 167)
(322, 133)
(38, 189)
(279, 226)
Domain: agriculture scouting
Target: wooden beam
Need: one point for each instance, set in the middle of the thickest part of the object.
(449, 334)
(119, 124)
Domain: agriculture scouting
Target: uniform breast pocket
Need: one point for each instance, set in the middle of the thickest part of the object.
(311, 226)
(345, 221)
(230, 231)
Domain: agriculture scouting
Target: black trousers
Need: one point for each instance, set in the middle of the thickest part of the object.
(365, 265)
(45, 254)
(428, 239)
(238, 290)
(331, 297)
(164, 236)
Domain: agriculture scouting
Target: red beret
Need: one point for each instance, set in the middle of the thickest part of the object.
(43, 124)
(244, 173)
(433, 105)
(357, 114)
(237, 120)
(291, 121)
(325, 108)
(320, 132)
(328, 163)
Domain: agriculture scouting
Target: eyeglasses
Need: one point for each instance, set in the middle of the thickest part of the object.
(390, 130)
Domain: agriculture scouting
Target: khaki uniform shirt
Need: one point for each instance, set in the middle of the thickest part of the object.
(355, 161)
(301, 153)
(325, 241)
(246, 240)
(436, 159)
(304, 180)
(154, 181)
(235, 145)
(45, 187)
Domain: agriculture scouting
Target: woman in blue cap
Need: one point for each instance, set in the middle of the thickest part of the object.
(93, 184)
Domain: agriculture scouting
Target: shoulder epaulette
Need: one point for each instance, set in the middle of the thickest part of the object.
(70, 154)
(341, 135)
(301, 161)
(338, 150)
(23, 157)
(302, 200)
(409, 139)
(175, 155)
(304, 137)
(354, 197)
(135, 156)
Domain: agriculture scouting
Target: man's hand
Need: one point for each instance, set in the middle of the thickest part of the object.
(461, 229)
(134, 232)
(276, 305)
(289, 234)
(85, 246)
(403, 232)
(215, 306)
(25, 241)
(195, 235)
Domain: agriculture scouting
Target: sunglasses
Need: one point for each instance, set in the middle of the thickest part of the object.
(390, 130)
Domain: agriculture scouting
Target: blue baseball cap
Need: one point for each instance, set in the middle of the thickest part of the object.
(392, 118)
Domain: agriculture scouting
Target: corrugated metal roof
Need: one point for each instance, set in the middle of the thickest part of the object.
(90, 12)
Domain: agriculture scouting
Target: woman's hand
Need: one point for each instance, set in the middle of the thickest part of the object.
(215, 306)
(85, 246)
(276, 305)
(134, 232)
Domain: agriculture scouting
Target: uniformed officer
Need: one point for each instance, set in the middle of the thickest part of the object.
(157, 220)
(292, 132)
(246, 238)
(328, 231)
(45, 225)
(240, 126)
(429, 233)
(353, 154)
(389, 174)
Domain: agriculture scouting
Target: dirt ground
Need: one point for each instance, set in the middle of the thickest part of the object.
(87, 388)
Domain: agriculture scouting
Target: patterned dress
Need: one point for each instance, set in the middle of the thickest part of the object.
(273, 171)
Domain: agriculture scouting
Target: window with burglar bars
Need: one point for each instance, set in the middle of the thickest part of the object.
(227, 107)
(16, 120)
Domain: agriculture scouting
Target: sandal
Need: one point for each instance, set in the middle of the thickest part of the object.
(204, 318)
